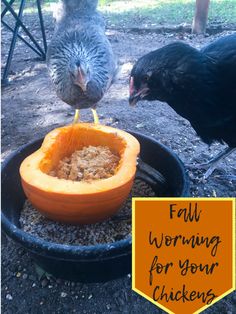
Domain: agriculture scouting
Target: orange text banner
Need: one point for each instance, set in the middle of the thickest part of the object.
(183, 251)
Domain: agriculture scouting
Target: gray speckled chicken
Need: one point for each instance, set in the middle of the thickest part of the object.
(80, 58)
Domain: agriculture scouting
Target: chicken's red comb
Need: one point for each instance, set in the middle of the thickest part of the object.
(131, 85)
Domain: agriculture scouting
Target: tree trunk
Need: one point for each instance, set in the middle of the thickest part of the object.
(200, 18)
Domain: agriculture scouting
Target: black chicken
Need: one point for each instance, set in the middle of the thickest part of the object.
(80, 58)
(198, 85)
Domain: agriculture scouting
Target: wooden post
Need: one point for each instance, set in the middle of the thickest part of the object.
(200, 18)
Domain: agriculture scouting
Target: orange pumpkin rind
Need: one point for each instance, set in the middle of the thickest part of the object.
(73, 201)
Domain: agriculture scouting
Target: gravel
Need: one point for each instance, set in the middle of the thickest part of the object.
(116, 228)
(9, 297)
(44, 282)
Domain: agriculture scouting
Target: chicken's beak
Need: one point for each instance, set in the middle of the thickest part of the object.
(83, 86)
(80, 79)
(138, 95)
(133, 99)
(132, 93)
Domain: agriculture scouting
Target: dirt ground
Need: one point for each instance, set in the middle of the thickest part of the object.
(30, 109)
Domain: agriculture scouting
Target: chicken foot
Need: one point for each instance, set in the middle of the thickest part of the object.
(76, 116)
(95, 116)
(213, 162)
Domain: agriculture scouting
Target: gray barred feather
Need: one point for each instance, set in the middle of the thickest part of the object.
(80, 37)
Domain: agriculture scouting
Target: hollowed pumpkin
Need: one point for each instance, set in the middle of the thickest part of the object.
(79, 202)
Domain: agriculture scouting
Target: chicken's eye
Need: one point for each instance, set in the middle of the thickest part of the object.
(145, 78)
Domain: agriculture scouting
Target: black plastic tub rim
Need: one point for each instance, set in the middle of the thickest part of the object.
(52, 249)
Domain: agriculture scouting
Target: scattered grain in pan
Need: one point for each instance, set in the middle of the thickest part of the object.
(116, 228)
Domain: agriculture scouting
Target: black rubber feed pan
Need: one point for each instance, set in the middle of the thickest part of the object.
(82, 263)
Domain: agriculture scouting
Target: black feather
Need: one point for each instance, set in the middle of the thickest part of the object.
(198, 85)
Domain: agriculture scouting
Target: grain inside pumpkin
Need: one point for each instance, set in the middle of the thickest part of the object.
(88, 164)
